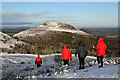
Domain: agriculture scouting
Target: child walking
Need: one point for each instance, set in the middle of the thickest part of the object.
(38, 61)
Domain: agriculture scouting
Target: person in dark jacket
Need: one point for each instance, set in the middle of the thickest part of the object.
(66, 54)
(82, 53)
(38, 61)
(100, 47)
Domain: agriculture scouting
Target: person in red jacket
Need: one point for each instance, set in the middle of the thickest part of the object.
(100, 47)
(66, 53)
(38, 61)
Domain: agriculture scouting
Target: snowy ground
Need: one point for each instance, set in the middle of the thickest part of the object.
(23, 66)
(67, 30)
(7, 41)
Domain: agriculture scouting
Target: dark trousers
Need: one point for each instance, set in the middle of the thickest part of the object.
(39, 65)
(81, 62)
(65, 62)
(100, 60)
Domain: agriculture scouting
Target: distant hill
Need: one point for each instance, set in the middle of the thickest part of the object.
(107, 32)
(13, 30)
(49, 38)
(47, 28)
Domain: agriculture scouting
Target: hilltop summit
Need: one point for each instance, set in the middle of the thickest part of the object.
(57, 25)
(45, 28)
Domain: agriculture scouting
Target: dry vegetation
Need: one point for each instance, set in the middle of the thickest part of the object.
(53, 42)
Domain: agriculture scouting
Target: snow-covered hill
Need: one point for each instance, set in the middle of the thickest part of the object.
(45, 28)
(7, 41)
(23, 66)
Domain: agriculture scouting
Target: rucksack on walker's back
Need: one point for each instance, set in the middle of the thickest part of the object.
(82, 52)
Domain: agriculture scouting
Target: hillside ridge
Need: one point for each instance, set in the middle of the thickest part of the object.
(50, 26)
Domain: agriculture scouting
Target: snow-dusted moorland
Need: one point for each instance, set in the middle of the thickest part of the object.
(45, 28)
(23, 66)
(7, 41)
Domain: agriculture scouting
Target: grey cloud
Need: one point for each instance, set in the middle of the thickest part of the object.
(35, 16)
(19, 16)
(38, 17)
(57, 17)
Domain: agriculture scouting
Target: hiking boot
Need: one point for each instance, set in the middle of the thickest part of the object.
(79, 68)
(100, 66)
(83, 68)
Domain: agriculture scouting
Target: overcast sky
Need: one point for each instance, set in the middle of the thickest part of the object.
(80, 14)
